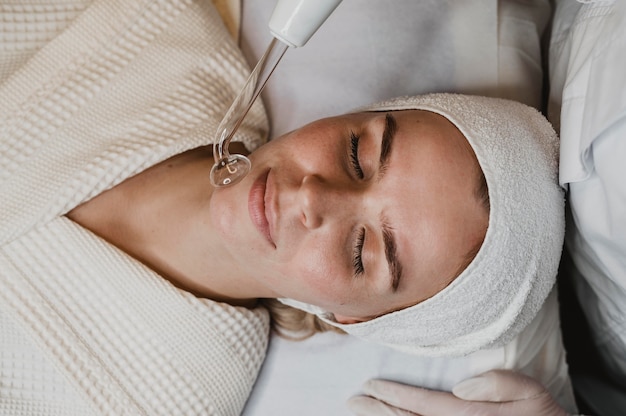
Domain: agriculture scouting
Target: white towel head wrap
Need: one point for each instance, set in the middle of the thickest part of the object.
(504, 287)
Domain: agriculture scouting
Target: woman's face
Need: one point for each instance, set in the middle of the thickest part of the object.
(361, 214)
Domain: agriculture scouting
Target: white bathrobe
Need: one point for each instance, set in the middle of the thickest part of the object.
(92, 93)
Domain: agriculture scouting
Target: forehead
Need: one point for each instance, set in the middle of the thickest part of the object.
(430, 187)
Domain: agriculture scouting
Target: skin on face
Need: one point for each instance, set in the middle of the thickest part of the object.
(333, 213)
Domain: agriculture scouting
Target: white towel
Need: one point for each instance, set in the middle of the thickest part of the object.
(506, 284)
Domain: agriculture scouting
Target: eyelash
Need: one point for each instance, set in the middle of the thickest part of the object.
(354, 155)
(357, 260)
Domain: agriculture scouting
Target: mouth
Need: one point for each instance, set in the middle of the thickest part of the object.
(257, 208)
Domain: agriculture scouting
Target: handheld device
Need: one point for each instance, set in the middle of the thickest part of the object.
(292, 24)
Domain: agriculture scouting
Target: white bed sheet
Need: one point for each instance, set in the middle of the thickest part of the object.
(317, 376)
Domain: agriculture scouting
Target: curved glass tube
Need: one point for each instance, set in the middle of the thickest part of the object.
(230, 169)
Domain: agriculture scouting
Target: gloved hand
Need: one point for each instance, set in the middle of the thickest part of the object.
(494, 393)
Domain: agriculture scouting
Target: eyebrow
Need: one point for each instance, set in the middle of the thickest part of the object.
(395, 268)
(389, 133)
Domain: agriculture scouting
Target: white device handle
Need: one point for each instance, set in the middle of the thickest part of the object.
(295, 21)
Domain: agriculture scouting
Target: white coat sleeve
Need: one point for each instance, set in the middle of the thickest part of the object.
(588, 104)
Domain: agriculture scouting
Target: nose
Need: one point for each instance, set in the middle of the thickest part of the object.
(321, 201)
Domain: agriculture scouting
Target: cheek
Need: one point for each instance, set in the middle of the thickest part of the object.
(310, 148)
(319, 274)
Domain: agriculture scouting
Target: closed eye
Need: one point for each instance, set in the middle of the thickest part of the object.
(357, 259)
(354, 155)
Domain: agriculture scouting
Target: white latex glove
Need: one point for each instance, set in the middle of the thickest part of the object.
(494, 393)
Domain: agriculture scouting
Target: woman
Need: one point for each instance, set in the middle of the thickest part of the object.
(335, 190)
(91, 297)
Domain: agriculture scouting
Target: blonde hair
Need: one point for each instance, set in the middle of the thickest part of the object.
(294, 324)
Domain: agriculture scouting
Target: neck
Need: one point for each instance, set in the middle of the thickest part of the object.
(165, 225)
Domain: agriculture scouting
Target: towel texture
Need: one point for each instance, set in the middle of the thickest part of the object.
(506, 284)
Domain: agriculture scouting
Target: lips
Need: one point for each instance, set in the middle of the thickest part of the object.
(256, 206)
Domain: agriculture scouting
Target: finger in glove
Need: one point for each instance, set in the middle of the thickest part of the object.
(368, 406)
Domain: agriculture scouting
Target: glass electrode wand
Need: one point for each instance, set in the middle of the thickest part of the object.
(293, 22)
(229, 169)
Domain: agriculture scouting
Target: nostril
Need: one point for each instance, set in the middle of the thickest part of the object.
(310, 217)
(310, 205)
